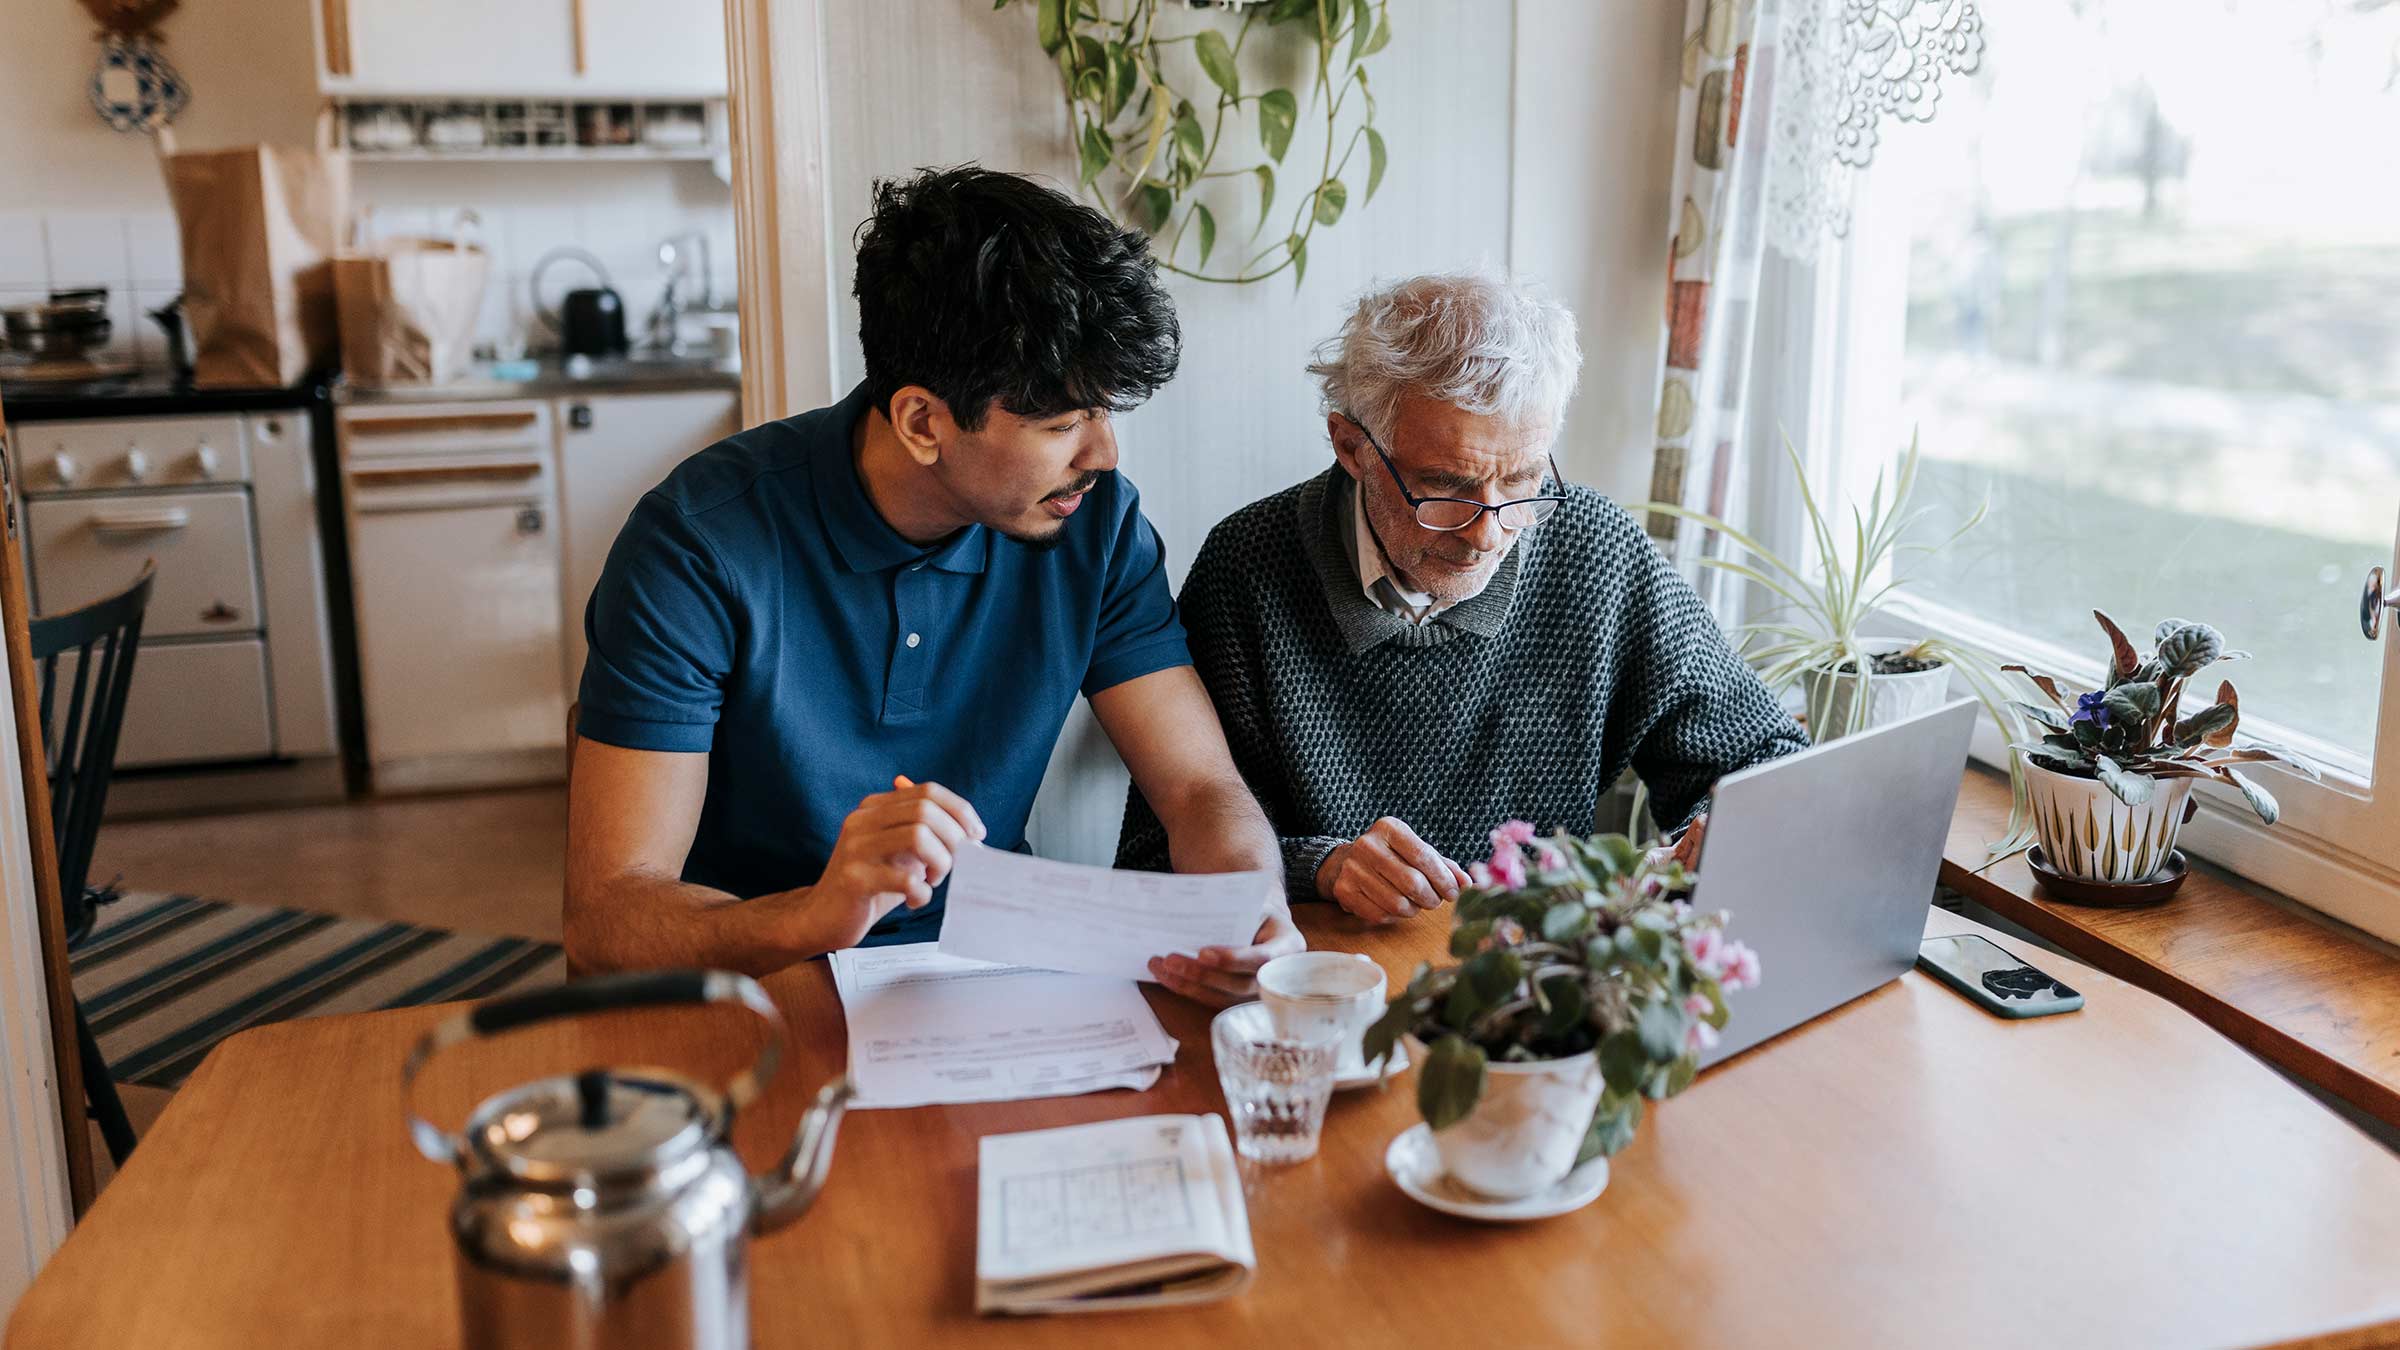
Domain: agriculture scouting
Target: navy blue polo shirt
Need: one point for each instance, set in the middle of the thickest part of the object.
(757, 608)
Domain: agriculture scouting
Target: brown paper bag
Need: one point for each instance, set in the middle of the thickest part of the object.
(408, 309)
(260, 226)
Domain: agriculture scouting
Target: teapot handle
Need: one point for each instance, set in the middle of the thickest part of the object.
(601, 993)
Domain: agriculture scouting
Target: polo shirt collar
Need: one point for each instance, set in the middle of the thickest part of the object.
(861, 537)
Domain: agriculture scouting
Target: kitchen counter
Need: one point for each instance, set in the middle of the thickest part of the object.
(157, 393)
(144, 394)
(616, 375)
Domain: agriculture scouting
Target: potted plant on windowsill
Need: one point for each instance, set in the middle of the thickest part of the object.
(2112, 774)
(1585, 988)
(1851, 682)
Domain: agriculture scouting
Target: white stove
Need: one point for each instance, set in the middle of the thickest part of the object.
(235, 665)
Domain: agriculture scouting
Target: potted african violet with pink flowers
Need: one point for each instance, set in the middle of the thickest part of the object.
(1585, 987)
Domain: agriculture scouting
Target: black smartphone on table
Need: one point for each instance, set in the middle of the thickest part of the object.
(1991, 975)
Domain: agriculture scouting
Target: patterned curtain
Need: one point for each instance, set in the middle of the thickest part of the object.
(1782, 104)
(1712, 269)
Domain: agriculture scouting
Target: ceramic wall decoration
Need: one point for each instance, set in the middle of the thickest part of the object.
(135, 88)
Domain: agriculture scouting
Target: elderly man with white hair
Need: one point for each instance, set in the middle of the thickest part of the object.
(1440, 633)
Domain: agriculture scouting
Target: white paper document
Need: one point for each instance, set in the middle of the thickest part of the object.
(1093, 920)
(928, 1028)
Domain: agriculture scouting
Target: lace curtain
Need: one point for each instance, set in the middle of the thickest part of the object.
(1848, 64)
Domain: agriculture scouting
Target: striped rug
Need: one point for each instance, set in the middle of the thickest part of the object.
(163, 978)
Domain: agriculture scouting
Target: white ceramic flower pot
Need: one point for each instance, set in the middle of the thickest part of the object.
(2088, 834)
(1522, 1137)
(1890, 698)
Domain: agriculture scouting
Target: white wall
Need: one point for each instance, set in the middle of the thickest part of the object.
(34, 1213)
(1595, 99)
(1526, 134)
(249, 64)
(83, 205)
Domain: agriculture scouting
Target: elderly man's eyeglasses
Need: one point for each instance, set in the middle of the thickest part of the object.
(1457, 513)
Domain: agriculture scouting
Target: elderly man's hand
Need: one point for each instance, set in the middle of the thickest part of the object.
(1687, 845)
(1223, 976)
(1388, 873)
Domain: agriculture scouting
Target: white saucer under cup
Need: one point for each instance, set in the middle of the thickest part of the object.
(1416, 1168)
(1367, 1072)
(1341, 991)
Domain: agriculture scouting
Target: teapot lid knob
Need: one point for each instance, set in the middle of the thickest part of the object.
(591, 1092)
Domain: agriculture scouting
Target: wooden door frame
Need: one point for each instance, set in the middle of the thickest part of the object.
(40, 848)
(783, 237)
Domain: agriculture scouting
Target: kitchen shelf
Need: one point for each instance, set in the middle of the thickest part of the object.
(564, 154)
(520, 130)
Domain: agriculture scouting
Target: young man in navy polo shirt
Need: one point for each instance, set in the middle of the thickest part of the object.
(829, 650)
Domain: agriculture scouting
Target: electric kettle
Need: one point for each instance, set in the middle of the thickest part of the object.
(606, 1210)
(589, 322)
(592, 323)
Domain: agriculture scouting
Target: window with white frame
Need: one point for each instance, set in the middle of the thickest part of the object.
(2139, 282)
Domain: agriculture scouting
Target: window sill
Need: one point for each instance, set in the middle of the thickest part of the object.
(2313, 998)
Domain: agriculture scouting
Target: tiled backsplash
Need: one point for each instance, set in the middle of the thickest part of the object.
(139, 258)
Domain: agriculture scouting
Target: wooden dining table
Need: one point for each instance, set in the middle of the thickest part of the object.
(1906, 1170)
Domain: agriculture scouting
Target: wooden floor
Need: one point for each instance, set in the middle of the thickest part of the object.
(489, 861)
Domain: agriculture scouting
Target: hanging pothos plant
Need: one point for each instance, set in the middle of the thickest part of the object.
(1147, 147)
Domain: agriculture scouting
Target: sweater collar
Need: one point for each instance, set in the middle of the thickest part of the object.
(1323, 518)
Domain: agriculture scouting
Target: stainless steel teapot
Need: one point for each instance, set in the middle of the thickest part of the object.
(606, 1209)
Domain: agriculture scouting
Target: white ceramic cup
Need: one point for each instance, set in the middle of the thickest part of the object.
(1308, 992)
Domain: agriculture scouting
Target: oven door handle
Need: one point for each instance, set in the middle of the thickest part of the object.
(141, 522)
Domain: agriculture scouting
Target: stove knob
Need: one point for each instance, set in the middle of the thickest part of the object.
(65, 469)
(206, 457)
(137, 465)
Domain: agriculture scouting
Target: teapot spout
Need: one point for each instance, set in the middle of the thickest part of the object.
(792, 1188)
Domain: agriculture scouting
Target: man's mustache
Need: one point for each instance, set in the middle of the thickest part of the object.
(1081, 486)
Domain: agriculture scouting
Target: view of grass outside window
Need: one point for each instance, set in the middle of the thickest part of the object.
(2154, 313)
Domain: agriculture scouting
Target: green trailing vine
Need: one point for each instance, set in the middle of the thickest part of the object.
(1146, 147)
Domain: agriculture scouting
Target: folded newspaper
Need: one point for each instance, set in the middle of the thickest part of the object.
(1137, 1213)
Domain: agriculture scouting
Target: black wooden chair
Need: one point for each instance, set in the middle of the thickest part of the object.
(97, 644)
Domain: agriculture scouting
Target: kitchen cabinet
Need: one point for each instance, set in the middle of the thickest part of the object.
(612, 449)
(641, 46)
(531, 48)
(454, 560)
(478, 530)
(172, 683)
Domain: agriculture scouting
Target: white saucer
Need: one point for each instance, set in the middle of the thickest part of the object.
(1369, 1073)
(1417, 1169)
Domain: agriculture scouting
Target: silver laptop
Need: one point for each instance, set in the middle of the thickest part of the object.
(1827, 860)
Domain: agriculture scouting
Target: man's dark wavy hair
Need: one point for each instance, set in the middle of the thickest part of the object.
(987, 288)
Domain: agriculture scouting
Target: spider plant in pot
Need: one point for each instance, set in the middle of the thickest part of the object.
(1584, 988)
(2112, 773)
(1812, 636)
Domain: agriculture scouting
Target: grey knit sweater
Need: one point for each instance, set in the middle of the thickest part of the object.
(1586, 653)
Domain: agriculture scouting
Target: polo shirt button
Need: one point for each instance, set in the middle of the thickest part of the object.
(912, 639)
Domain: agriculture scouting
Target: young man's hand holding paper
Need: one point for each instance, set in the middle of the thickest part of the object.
(1021, 910)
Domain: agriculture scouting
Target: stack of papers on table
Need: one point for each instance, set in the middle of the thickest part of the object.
(927, 1029)
(1121, 1214)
